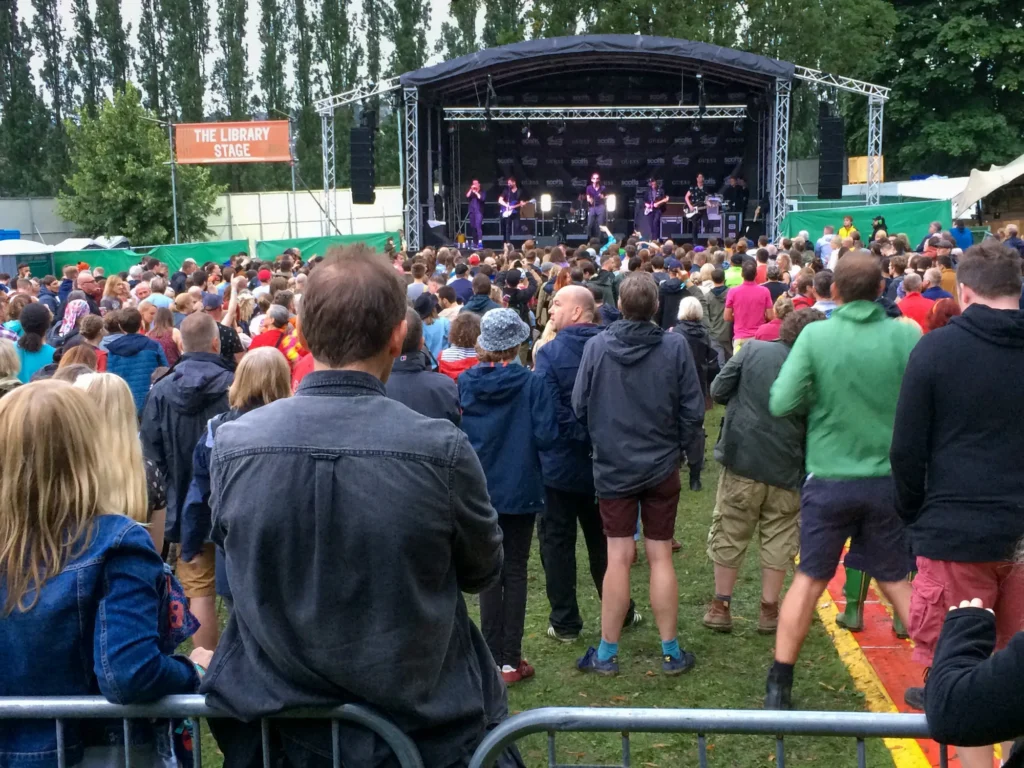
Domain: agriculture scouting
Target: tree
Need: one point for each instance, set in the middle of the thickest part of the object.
(409, 21)
(120, 182)
(307, 143)
(274, 36)
(25, 126)
(231, 84)
(187, 25)
(113, 39)
(49, 39)
(504, 23)
(957, 74)
(459, 39)
(151, 60)
(86, 72)
(341, 56)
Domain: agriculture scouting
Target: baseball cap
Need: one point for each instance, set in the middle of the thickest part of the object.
(673, 263)
(547, 266)
(698, 249)
(424, 305)
(264, 275)
(211, 301)
(474, 259)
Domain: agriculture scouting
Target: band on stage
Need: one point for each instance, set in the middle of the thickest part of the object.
(512, 199)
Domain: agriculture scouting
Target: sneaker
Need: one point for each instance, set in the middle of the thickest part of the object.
(563, 637)
(590, 663)
(768, 620)
(634, 620)
(695, 485)
(517, 674)
(778, 695)
(672, 666)
(718, 617)
(914, 698)
(676, 546)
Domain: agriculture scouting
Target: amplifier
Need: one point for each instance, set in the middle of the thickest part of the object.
(671, 225)
(732, 224)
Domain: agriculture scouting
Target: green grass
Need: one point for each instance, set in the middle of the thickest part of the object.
(730, 670)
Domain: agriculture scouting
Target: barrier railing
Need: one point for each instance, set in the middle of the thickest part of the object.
(554, 720)
(64, 708)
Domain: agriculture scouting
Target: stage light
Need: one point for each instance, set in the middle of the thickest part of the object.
(526, 130)
(622, 129)
(561, 128)
(610, 203)
(545, 203)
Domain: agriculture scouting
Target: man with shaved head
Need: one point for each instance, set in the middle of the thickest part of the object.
(568, 469)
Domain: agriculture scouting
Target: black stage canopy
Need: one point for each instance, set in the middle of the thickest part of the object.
(458, 78)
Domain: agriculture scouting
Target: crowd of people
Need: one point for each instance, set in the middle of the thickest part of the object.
(340, 448)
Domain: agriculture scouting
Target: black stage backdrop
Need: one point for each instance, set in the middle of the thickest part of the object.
(558, 157)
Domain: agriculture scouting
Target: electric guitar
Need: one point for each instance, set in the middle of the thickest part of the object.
(508, 209)
(649, 207)
(691, 215)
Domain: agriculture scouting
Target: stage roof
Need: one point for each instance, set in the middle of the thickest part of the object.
(560, 55)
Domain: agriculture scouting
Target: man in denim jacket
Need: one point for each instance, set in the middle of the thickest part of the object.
(351, 525)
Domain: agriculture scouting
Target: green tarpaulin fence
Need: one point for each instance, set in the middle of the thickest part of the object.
(113, 261)
(268, 250)
(911, 218)
(217, 251)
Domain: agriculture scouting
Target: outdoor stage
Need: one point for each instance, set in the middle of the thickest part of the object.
(552, 111)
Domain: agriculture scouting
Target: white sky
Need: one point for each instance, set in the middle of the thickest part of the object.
(131, 10)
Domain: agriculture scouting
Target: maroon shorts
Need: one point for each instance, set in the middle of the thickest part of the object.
(940, 584)
(657, 507)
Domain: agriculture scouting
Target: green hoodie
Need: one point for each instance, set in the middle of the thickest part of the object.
(845, 374)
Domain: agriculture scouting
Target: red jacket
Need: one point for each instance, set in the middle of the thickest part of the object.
(915, 306)
(452, 368)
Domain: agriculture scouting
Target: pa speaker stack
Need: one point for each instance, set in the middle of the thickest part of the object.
(364, 177)
(831, 142)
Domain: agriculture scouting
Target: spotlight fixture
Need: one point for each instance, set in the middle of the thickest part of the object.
(526, 130)
(545, 203)
(610, 203)
(622, 129)
(561, 128)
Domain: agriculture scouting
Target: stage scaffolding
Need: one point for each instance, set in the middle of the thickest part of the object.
(772, 137)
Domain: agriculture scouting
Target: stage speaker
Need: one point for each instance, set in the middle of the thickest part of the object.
(732, 222)
(548, 241)
(671, 225)
(831, 149)
(361, 163)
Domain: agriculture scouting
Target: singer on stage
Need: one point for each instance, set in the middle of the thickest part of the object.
(654, 200)
(476, 199)
(596, 216)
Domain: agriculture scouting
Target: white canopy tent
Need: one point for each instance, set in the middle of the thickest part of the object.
(982, 183)
(23, 248)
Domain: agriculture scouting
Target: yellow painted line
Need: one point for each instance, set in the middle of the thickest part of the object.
(906, 753)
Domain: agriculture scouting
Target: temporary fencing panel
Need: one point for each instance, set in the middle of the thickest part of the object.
(217, 251)
(268, 250)
(910, 218)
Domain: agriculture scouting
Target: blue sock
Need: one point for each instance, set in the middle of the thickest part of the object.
(607, 650)
(671, 648)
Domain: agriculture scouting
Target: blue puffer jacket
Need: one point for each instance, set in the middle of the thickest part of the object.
(508, 413)
(134, 357)
(567, 464)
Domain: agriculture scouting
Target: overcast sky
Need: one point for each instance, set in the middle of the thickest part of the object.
(132, 9)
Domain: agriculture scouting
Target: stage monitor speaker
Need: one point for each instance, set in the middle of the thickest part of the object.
(671, 225)
(831, 142)
(732, 223)
(547, 241)
(361, 157)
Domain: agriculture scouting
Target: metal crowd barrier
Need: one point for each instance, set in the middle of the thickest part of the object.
(553, 720)
(64, 708)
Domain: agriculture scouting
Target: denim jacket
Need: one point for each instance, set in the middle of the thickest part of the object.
(349, 524)
(94, 630)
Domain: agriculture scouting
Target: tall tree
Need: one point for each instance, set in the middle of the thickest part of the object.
(459, 38)
(49, 39)
(504, 23)
(113, 37)
(120, 182)
(409, 20)
(957, 73)
(274, 38)
(86, 71)
(307, 144)
(231, 85)
(24, 123)
(341, 56)
(374, 16)
(187, 28)
(150, 60)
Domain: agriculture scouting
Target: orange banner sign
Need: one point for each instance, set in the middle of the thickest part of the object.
(265, 141)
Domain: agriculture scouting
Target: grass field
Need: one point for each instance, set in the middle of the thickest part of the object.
(730, 670)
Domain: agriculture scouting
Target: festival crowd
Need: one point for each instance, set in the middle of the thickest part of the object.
(341, 448)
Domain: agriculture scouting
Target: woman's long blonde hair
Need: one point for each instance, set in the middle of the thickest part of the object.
(109, 395)
(262, 377)
(54, 482)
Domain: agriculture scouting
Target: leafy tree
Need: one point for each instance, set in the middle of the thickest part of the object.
(409, 21)
(307, 143)
(86, 72)
(275, 98)
(151, 60)
(187, 28)
(231, 84)
(120, 182)
(49, 39)
(504, 23)
(113, 37)
(957, 73)
(459, 38)
(341, 56)
(25, 126)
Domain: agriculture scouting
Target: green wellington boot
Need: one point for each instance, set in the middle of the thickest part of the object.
(897, 626)
(856, 591)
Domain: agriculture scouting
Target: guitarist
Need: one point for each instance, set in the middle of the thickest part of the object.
(696, 198)
(654, 199)
(596, 216)
(510, 197)
(476, 198)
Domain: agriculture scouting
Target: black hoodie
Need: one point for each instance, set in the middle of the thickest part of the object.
(957, 442)
(637, 392)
